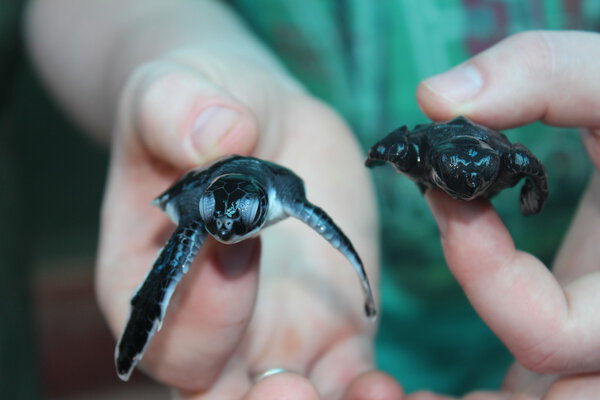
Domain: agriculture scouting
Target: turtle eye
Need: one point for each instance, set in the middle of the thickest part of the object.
(207, 207)
(249, 211)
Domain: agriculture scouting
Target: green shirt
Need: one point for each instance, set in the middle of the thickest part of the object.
(365, 58)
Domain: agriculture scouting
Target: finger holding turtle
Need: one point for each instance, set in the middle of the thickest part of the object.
(545, 318)
(133, 231)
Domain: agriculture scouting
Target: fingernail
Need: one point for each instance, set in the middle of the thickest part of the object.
(211, 126)
(459, 84)
(234, 259)
(435, 200)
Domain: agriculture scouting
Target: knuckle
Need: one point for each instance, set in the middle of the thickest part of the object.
(142, 82)
(543, 359)
(539, 51)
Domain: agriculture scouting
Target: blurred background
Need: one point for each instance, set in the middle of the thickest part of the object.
(54, 343)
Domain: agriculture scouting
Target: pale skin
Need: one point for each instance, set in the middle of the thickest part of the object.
(548, 320)
(181, 83)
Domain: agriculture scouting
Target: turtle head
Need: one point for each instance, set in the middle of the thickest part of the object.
(233, 207)
(465, 167)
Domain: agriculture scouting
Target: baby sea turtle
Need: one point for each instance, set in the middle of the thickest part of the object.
(232, 200)
(464, 159)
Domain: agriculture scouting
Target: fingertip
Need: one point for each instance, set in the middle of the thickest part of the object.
(534, 75)
(449, 94)
(186, 120)
(374, 385)
(220, 129)
(431, 103)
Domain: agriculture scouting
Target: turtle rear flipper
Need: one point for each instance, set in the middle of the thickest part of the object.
(532, 198)
(149, 304)
(523, 164)
(322, 223)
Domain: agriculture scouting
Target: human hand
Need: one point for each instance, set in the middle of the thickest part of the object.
(548, 320)
(223, 326)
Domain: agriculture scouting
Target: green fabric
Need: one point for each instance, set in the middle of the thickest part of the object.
(18, 371)
(365, 58)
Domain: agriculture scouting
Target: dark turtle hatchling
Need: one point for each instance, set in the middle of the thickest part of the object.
(232, 200)
(464, 159)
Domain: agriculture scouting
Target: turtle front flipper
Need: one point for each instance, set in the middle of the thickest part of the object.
(322, 223)
(523, 164)
(394, 148)
(149, 304)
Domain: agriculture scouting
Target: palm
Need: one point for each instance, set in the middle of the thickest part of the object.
(308, 313)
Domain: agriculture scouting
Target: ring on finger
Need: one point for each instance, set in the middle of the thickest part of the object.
(269, 372)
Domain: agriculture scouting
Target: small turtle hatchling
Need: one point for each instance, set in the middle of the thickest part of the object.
(465, 160)
(232, 200)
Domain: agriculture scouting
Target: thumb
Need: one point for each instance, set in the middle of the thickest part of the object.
(538, 75)
(175, 113)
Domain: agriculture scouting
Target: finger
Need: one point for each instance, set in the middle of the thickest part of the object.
(525, 384)
(179, 116)
(518, 377)
(591, 141)
(209, 315)
(233, 384)
(480, 395)
(574, 387)
(171, 118)
(540, 75)
(549, 329)
(512, 291)
(427, 395)
(579, 253)
(288, 385)
(341, 364)
(209, 310)
(206, 319)
(374, 385)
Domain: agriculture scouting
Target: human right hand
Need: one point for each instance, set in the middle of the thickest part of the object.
(548, 319)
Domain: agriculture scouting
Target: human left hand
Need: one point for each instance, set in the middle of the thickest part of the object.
(230, 320)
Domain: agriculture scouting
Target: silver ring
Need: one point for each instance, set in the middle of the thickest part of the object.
(269, 372)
